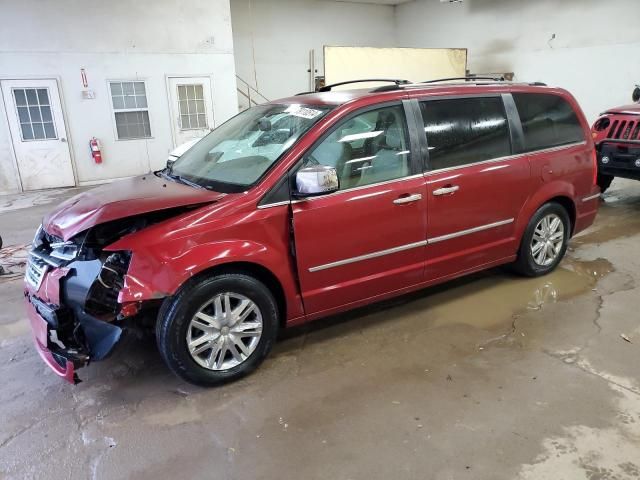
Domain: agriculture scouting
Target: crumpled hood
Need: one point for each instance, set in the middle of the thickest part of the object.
(121, 199)
(633, 109)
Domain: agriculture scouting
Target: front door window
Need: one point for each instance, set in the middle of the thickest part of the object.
(370, 148)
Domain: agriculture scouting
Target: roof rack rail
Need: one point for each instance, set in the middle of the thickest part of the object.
(327, 88)
(390, 88)
(469, 78)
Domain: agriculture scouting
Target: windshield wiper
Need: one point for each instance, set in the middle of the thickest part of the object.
(178, 178)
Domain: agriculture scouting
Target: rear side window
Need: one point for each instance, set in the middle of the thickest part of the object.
(547, 121)
(462, 131)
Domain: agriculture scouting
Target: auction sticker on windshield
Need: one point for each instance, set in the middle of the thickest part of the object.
(303, 112)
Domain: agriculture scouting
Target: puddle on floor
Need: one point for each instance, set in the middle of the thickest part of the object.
(485, 300)
(489, 300)
(618, 217)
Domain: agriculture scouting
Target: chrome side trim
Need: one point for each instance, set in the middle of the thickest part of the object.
(469, 231)
(467, 165)
(509, 157)
(559, 147)
(276, 204)
(591, 197)
(409, 246)
(368, 256)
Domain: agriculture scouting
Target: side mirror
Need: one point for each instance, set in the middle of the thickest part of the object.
(316, 180)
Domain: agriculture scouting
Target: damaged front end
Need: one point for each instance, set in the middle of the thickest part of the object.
(71, 295)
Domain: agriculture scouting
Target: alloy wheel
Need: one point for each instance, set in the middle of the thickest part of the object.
(224, 332)
(548, 240)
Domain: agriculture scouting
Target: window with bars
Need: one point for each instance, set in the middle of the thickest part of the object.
(129, 101)
(191, 105)
(34, 113)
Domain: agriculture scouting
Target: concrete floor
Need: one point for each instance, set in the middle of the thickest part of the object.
(489, 377)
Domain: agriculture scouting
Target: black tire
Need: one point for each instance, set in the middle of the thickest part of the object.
(177, 311)
(604, 181)
(525, 264)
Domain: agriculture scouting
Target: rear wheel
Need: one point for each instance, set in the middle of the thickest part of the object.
(545, 241)
(217, 329)
(604, 181)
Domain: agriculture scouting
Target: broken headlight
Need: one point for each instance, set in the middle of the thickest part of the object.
(102, 299)
(66, 251)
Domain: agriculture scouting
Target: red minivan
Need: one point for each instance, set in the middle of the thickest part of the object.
(309, 206)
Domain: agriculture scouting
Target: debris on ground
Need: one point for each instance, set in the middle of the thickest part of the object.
(13, 259)
(625, 338)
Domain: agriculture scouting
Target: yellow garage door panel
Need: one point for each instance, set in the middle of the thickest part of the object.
(415, 64)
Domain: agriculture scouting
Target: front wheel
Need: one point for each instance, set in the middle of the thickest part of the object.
(217, 329)
(545, 241)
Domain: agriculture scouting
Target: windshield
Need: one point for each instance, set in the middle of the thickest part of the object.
(239, 152)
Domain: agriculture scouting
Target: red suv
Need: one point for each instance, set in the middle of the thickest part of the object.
(617, 138)
(308, 206)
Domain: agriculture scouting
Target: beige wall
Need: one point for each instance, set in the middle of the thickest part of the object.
(272, 38)
(413, 64)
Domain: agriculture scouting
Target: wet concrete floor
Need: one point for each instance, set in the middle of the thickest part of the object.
(488, 377)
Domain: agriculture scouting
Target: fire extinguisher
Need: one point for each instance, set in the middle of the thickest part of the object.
(94, 147)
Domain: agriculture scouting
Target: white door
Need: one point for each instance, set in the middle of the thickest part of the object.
(191, 108)
(38, 133)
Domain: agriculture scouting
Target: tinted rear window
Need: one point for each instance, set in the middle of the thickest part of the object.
(547, 121)
(462, 131)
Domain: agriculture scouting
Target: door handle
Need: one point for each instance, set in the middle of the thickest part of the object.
(408, 199)
(446, 190)
(63, 140)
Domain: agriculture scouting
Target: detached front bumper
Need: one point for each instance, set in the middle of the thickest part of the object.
(65, 352)
(67, 337)
(61, 366)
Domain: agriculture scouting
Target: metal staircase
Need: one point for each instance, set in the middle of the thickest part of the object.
(248, 96)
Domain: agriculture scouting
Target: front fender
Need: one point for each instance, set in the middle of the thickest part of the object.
(155, 274)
